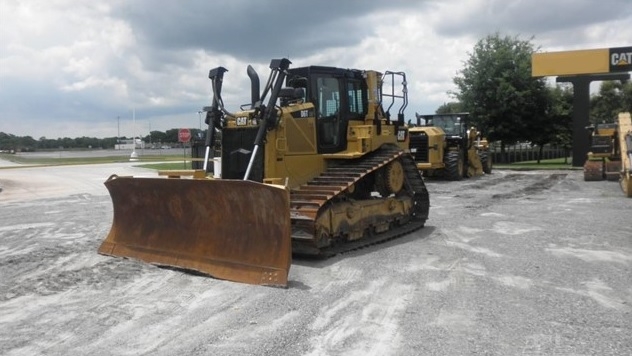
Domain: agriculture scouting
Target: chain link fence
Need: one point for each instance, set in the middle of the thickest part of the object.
(526, 152)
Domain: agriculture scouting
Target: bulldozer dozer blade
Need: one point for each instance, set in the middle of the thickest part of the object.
(229, 229)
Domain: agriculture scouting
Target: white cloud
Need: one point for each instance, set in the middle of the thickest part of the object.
(71, 68)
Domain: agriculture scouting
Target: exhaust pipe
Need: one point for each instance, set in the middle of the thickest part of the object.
(268, 116)
(255, 96)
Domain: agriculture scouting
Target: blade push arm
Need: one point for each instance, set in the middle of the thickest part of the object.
(267, 114)
(213, 113)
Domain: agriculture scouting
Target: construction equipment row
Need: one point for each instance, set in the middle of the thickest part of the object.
(610, 154)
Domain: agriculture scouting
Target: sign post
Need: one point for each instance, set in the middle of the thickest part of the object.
(184, 136)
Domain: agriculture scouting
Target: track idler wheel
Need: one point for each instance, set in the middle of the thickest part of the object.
(390, 179)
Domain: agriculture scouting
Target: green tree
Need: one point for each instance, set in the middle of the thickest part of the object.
(171, 135)
(450, 108)
(108, 142)
(156, 137)
(505, 102)
(27, 143)
(613, 97)
(7, 141)
(560, 113)
(627, 96)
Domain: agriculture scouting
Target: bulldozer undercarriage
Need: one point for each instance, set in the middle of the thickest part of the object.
(356, 203)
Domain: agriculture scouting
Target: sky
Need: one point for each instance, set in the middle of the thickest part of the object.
(72, 68)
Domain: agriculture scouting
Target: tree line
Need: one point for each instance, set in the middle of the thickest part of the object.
(9, 142)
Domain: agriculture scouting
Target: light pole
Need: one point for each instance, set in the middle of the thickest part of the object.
(200, 118)
(118, 133)
(134, 155)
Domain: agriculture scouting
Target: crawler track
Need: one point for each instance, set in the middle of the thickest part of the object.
(328, 191)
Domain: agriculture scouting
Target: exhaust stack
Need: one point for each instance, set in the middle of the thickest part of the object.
(255, 96)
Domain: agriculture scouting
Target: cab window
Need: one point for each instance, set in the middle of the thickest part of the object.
(357, 100)
(328, 97)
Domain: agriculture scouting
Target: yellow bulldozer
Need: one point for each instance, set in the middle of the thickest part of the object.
(625, 142)
(603, 160)
(312, 165)
(610, 154)
(444, 145)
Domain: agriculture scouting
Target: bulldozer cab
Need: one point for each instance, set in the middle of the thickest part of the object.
(344, 97)
(338, 96)
(454, 125)
(451, 124)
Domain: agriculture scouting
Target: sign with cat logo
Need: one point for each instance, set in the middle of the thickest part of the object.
(580, 62)
(621, 59)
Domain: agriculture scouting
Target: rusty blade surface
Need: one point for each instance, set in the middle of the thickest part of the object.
(229, 229)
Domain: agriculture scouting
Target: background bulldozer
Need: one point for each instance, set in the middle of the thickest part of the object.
(312, 165)
(624, 131)
(610, 155)
(444, 145)
(604, 159)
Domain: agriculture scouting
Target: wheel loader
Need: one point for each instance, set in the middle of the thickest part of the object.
(444, 145)
(312, 165)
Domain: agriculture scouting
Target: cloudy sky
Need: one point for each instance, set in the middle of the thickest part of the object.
(71, 68)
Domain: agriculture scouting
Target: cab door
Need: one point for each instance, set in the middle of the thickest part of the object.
(331, 113)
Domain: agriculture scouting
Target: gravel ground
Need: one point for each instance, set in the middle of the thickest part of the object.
(512, 263)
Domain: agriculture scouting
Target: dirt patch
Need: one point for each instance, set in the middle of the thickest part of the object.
(537, 187)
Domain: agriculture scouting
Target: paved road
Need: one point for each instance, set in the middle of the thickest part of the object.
(535, 263)
(104, 153)
(26, 183)
(4, 164)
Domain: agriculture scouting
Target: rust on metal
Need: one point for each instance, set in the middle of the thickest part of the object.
(229, 229)
(613, 170)
(593, 170)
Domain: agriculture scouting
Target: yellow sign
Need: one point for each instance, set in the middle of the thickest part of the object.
(589, 61)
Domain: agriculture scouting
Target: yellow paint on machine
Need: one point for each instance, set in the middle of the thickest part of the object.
(625, 140)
